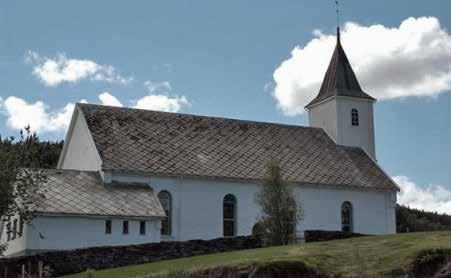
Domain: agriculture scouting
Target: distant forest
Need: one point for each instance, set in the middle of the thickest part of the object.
(415, 220)
(407, 219)
(47, 151)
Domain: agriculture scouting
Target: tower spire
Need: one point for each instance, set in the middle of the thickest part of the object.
(338, 20)
(340, 79)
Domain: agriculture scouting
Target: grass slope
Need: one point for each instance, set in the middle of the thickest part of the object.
(375, 256)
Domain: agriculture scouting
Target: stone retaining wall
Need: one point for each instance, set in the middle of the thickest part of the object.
(318, 235)
(79, 260)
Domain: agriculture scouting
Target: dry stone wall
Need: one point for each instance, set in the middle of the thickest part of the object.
(74, 261)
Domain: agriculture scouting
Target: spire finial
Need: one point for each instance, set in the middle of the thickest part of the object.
(338, 19)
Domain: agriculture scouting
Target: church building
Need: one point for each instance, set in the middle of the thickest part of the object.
(130, 176)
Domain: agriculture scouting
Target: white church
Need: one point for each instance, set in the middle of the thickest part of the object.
(129, 176)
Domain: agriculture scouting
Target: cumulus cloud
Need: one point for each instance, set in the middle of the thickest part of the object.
(162, 103)
(413, 59)
(60, 69)
(159, 98)
(431, 198)
(20, 114)
(108, 99)
(154, 87)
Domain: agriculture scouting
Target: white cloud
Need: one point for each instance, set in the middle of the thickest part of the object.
(157, 87)
(413, 59)
(162, 103)
(21, 114)
(42, 119)
(54, 71)
(108, 99)
(159, 99)
(430, 198)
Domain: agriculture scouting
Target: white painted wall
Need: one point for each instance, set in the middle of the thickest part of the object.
(324, 115)
(197, 206)
(17, 245)
(79, 151)
(65, 233)
(334, 116)
(358, 136)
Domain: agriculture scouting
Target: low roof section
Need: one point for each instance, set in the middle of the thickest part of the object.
(83, 193)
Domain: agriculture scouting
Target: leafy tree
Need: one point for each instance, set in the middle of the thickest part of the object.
(280, 211)
(20, 176)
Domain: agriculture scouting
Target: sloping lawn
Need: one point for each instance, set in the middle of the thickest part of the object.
(374, 256)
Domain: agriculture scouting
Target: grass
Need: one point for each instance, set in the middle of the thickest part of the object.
(375, 256)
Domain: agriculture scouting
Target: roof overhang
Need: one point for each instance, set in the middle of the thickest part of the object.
(95, 216)
(253, 181)
(311, 105)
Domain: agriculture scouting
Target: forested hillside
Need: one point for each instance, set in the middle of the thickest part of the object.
(47, 151)
(414, 220)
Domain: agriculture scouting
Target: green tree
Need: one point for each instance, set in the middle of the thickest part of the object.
(20, 177)
(280, 210)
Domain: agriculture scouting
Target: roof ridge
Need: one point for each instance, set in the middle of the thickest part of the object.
(202, 116)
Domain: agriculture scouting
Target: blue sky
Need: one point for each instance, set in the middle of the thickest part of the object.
(218, 58)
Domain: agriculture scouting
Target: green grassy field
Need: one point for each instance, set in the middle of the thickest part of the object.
(376, 256)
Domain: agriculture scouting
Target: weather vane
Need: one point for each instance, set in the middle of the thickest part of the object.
(338, 13)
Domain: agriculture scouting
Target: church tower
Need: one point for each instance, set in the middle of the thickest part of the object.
(342, 108)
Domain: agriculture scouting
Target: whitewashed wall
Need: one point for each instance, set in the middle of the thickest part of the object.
(79, 151)
(17, 245)
(64, 233)
(334, 116)
(324, 115)
(361, 136)
(197, 206)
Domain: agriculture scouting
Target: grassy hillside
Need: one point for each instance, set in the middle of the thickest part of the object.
(374, 256)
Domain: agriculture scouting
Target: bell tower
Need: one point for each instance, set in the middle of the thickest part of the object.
(342, 108)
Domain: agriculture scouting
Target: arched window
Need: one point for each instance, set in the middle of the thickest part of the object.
(229, 215)
(346, 217)
(355, 117)
(166, 202)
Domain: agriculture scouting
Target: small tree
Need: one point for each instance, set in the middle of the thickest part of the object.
(20, 177)
(280, 210)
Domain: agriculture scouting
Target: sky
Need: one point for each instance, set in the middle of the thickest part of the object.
(256, 60)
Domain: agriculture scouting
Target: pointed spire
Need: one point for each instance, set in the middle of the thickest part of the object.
(340, 79)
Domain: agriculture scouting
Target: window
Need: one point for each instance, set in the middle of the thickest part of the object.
(21, 224)
(229, 215)
(291, 221)
(125, 227)
(346, 217)
(166, 202)
(142, 227)
(355, 117)
(8, 231)
(14, 229)
(108, 226)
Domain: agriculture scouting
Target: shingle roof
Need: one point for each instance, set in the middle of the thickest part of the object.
(161, 143)
(84, 193)
(340, 79)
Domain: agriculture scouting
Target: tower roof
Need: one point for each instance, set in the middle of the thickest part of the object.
(340, 79)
